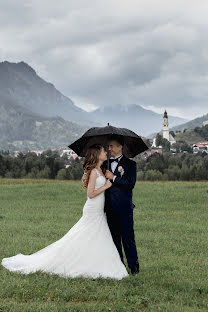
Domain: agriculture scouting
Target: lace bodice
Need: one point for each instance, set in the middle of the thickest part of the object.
(99, 182)
(98, 173)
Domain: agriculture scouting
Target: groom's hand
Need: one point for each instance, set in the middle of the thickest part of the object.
(109, 174)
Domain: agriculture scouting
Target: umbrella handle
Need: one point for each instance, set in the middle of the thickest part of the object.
(108, 155)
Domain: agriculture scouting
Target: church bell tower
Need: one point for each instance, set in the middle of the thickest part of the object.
(165, 126)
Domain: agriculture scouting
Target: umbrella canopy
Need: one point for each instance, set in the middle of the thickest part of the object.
(133, 144)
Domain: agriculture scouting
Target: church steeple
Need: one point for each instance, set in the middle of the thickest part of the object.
(165, 126)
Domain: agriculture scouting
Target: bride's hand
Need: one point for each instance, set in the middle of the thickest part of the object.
(107, 184)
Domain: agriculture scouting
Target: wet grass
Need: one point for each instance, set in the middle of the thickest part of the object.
(170, 220)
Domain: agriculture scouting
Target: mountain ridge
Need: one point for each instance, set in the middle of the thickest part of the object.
(22, 129)
(128, 118)
(21, 82)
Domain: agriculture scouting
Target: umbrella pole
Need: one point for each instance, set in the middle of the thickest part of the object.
(108, 155)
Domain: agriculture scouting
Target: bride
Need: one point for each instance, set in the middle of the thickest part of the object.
(87, 249)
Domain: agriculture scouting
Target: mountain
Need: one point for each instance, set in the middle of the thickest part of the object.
(22, 129)
(197, 122)
(134, 117)
(20, 84)
(187, 132)
(190, 137)
(38, 104)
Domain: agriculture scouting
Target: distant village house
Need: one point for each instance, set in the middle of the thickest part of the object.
(200, 147)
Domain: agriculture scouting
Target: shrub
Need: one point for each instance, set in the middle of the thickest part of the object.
(153, 175)
(62, 174)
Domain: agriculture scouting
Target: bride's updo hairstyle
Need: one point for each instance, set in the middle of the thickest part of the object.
(91, 160)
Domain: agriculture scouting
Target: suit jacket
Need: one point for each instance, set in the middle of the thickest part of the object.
(119, 196)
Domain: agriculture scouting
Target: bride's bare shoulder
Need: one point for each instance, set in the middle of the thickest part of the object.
(93, 173)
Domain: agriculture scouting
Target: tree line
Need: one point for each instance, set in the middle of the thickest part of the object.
(50, 165)
(185, 167)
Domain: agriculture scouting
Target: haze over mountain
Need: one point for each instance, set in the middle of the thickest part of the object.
(134, 117)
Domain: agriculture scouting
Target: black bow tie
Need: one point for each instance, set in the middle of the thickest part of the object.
(114, 159)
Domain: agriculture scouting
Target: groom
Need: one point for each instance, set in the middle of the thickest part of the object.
(118, 201)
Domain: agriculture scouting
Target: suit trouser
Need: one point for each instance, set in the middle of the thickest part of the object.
(121, 225)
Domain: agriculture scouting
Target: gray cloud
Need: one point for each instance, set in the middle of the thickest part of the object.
(112, 52)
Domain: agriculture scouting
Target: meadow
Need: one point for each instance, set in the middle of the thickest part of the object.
(170, 222)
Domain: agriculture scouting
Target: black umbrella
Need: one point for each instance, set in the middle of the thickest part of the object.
(133, 144)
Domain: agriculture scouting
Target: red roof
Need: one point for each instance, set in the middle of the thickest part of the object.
(201, 144)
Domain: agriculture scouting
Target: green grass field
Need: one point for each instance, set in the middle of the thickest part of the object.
(171, 234)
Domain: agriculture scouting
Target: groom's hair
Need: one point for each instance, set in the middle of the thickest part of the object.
(118, 138)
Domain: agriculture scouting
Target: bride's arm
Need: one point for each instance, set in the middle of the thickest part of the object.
(91, 192)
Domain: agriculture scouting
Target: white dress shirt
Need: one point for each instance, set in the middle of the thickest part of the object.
(114, 164)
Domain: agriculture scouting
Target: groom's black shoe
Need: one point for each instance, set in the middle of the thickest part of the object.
(135, 270)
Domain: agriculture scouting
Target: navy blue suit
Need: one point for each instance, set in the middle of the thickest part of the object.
(119, 210)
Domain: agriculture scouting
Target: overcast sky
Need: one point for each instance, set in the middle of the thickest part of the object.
(150, 52)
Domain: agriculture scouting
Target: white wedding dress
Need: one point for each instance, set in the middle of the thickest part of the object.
(86, 250)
